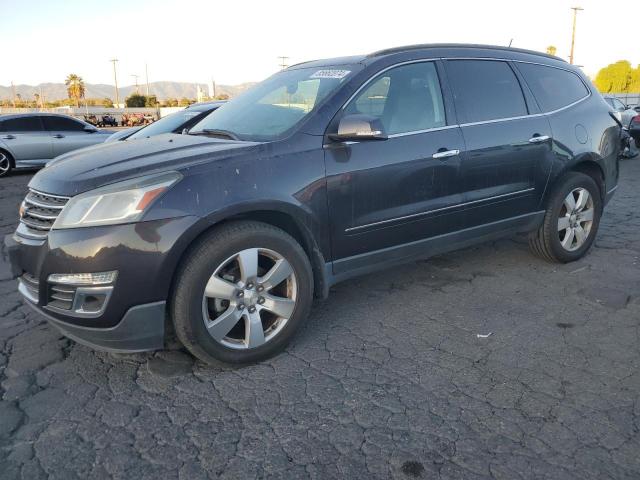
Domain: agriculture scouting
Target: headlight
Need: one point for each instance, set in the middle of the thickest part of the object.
(122, 202)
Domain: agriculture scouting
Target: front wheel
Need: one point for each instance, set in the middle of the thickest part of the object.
(242, 293)
(571, 220)
(5, 164)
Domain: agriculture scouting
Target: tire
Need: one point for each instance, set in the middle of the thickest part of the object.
(557, 244)
(6, 164)
(230, 307)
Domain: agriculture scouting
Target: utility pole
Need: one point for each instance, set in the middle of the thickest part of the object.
(136, 77)
(146, 75)
(573, 33)
(115, 80)
(283, 62)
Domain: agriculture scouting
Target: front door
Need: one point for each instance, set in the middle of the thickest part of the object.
(385, 193)
(69, 134)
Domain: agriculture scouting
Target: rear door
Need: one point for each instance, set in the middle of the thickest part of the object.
(69, 134)
(508, 157)
(27, 140)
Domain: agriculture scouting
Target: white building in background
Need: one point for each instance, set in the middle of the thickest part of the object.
(200, 96)
(212, 89)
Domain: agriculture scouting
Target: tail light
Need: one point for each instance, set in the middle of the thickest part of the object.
(636, 119)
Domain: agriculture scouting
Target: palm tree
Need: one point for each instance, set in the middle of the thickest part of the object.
(75, 87)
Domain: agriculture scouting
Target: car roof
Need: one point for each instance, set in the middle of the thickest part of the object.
(460, 46)
(35, 114)
(438, 50)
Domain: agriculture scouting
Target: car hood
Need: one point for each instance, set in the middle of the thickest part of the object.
(106, 163)
(122, 134)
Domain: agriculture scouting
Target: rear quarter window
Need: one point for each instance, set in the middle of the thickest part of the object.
(553, 88)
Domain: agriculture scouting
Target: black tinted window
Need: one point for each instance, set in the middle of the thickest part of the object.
(553, 88)
(62, 124)
(22, 124)
(405, 98)
(485, 90)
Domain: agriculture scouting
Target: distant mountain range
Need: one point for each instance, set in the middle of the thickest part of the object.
(162, 90)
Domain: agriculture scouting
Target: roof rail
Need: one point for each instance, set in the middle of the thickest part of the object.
(424, 46)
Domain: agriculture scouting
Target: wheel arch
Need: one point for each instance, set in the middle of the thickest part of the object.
(282, 217)
(586, 164)
(12, 159)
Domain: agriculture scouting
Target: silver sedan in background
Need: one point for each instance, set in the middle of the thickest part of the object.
(30, 140)
(624, 112)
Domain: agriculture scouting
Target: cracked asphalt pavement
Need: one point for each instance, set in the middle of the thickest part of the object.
(388, 380)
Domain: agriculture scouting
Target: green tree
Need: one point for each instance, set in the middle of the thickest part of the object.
(135, 100)
(107, 103)
(75, 87)
(150, 101)
(185, 102)
(619, 77)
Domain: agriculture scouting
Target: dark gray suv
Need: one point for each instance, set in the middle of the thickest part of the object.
(327, 170)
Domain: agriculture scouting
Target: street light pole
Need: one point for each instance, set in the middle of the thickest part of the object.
(573, 33)
(115, 80)
(146, 74)
(137, 90)
(283, 61)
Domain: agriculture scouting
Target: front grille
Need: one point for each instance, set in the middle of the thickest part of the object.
(31, 287)
(61, 296)
(38, 212)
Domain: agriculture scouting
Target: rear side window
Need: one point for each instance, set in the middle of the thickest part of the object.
(406, 99)
(22, 124)
(62, 124)
(553, 88)
(485, 90)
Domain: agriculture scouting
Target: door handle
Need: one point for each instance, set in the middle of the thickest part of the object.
(446, 154)
(539, 138)
(8, 137)
(58, 135)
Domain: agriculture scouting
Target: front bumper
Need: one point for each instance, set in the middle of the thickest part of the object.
(141, 329)
(145, 255)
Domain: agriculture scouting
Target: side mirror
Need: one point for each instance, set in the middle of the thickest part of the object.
(359, 127)
(90, 129)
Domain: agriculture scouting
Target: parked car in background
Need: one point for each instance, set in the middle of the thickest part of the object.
(108, 121)
(634, 130)
(30, 140)
(327, 170)
(176, 122)
(91, 119)
(624, 112)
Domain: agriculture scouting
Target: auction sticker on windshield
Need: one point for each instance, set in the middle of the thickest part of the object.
(331, 74)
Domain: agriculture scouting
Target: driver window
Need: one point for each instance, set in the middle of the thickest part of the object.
(405, 99)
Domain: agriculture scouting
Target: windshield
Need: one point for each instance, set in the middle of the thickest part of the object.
(166, 124)
(275, 106)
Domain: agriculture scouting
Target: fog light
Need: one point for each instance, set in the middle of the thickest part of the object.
(101, 278)
(90, 302)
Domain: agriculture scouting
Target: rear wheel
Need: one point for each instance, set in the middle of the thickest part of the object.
(242, 293)
(5, 164)
(571, 220)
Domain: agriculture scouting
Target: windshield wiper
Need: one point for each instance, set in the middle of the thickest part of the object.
(214, 132)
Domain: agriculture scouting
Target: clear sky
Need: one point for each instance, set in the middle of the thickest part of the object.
(238, 41)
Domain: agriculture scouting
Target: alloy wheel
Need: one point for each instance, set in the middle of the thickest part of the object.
(575, 219)
(5, 164)
(249, 298)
